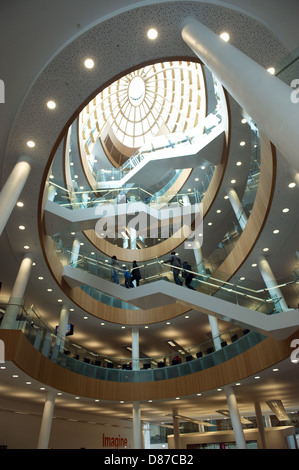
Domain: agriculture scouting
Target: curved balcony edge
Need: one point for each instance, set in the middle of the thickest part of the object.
(22, 353)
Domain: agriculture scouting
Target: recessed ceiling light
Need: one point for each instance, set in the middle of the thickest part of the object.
(15, 376)
(225, 197)
(239, 163)
(49, 290)
(203, 167)
(271, 70)
(265, 249)
(20, 204)
(257, 377)
(89, 63)
(168, 323)
(26, 247)
(28, 383)
(21, 227)
(242, 278)
(72, 309)
(233, 181)
(275, 370)
(51, 104)
(85, 318)
(40, 278)
(218, 211)
(292, 185)
(275, 231)
(152, 34)
(102, 324)
(30, 144)
(224, 36)
(177, 398)
(242, 144)
(196, 179)
(243, 121)
(59, 300)
(219, 389)
(285, 210)
(254, 265)
(210, 223)
(123, 327)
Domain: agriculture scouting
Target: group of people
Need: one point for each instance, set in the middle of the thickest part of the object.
(176, 263)
(130, 276)
(135, 276)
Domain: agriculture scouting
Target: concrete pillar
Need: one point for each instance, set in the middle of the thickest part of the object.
(12, 189)
(62, 329)
(235, 417)
(271, 284)
(237, 207)
(215, 332)
(135, 348)
(263, 96)
(260, 424)
(17, 294)
(176, 431)
(137, 439)
(264, 267)
(44, 434)
(75, 251)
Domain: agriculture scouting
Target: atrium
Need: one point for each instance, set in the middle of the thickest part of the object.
(133, 132)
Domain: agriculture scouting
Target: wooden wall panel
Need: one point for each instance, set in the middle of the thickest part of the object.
(20, 351)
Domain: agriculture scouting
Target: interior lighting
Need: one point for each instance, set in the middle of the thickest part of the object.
(233, 181)
(239, 163)
(242, 144)
(20, 204)
(224, 36)
(26, 247)
(152, 34)
(21, 227)
(271, 70)
(285, 210)
(89, 63)
(243, 121)
(51, 104)
(30, 144)
(265, 249)
(254, 265)
(275, 231)
(292, 185)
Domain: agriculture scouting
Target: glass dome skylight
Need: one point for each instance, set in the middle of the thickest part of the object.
(155, 100)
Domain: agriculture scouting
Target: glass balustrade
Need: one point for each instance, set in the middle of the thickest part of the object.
(233, 291)
(66, 353)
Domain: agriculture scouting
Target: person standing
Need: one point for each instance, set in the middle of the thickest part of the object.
(114, 264)
(135, 272)
(176, 263)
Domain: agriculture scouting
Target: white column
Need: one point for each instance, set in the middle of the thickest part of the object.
(135, 348)
(75, 251)
(263, 96)
(176, 431)
(237, 207)
(17, 294)
(260, 424)
(263, 265)
(271, 284)
(136, 426)
(215, 332)
(44, 434)
(12, 189)
(235, 417)
(51, 192)
(146, 436)
(62, 329)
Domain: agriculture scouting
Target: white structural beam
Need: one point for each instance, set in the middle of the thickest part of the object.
(263, 96)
